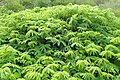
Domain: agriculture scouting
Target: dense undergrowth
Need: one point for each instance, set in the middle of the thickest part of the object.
(60, 43)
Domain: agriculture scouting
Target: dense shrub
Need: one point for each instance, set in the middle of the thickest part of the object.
(73, 42)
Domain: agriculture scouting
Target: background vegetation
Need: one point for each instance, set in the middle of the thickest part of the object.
(17, 5)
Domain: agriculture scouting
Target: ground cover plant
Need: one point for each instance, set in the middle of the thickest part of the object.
(73, 42)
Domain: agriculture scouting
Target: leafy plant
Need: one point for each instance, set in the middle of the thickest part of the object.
(72, 42)
(61, 75)
(81, 64)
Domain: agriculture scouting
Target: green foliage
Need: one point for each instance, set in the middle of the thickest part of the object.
(84, 76)
(112, 48)
(6, 74)
(32, 76)
(7, 54)
(14, 5)
(17, 5)
(107, 54)
(115, 7)
(60, 75)
(81, 64)
(72, 42)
